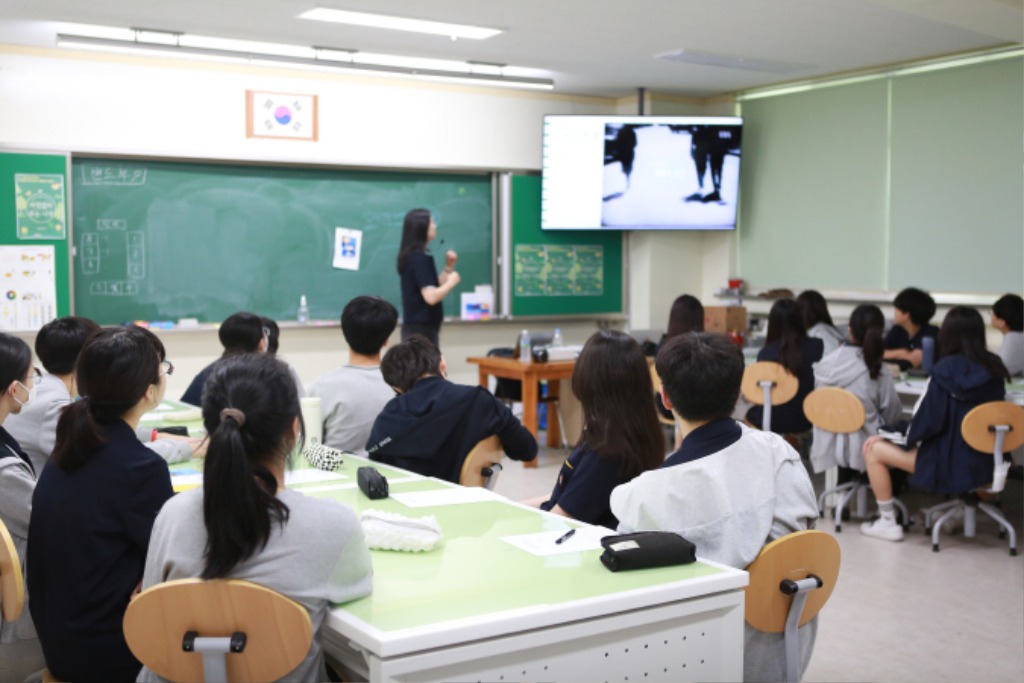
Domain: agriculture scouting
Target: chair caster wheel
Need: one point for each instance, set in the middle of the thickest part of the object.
(935, 547)
(821, 513)
(1002, 534)
(1013, 552)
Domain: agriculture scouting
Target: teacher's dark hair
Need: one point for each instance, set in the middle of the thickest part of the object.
(249, 408)
(15, 360)
(786, 326)
(963, 332)
(59, 342)
(867, 325)
(414, 235)
(687, 315)
(613, 383)
(116, 367)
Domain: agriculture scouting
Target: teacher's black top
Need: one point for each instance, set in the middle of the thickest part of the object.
(90, 531)
(420, 272)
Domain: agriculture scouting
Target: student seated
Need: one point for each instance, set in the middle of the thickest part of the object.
(433, 424)
(352, 396)
(243, 523)
(912, 312)
(787, 343)
(686, 315)
(1008, 318)
(94, 507)
(20, 652)
(273, 333)
(728, 489)
(857, 367)
(58, 344)
(818, 321)
(621, 436)
(965, 376)
(239, 333)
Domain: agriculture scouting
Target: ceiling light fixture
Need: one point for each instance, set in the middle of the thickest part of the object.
(179, 45)
(399, 23)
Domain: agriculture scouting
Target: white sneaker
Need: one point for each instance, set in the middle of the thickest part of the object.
(889, 531)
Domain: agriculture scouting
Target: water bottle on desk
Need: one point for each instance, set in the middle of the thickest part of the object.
(524, 347)
(303, 314)
(927, 353)
(556, 338)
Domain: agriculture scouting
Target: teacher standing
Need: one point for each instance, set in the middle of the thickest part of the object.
(423, 290)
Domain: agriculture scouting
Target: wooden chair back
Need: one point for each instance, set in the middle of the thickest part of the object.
(794, 556)
(835, 410)
(12, 583)
(482, 464)
(784, 384)
(978, 427)
(278, 630)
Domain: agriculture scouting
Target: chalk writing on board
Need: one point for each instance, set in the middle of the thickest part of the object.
(136, 242)
(90, 255)
(112, 175)
(105, 224)
(114, 288)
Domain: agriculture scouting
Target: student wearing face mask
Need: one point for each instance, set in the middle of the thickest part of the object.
(20, 653)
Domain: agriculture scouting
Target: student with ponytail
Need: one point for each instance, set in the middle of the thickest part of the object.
(857, 367)
(243, 523)
(94, 507)
(20, 654)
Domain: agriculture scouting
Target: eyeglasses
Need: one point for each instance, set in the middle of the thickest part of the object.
(166, 367)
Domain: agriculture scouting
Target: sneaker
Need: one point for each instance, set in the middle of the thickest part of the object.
(889, 531)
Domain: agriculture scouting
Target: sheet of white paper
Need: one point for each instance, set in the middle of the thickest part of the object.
(311, 476)
(348, 245)
(542, 543)
(455, 495)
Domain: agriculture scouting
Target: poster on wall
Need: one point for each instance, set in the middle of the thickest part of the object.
(39, 204)
(28, 285)
(280, 115)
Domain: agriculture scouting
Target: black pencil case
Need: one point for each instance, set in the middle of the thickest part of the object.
(645, 550)
(372, 483)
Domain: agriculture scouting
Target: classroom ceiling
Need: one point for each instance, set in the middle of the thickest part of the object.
(589, 47)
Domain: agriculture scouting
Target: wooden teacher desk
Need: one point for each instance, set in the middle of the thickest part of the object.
(529, 374)
(480, 608)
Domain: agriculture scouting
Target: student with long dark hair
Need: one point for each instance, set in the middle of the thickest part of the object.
(965, 375)
(423, 290)
(621, 437)
(94, 506)
(857, 367)
(787, 343)
(20, 653)
(686, 315)
(818, 321)
(243, 523)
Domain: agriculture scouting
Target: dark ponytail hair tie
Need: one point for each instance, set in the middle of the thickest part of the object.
(234, 414)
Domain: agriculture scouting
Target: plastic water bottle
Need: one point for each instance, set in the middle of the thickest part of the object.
(524, 347)
(303, 314)
(927, 353)
(556, 338)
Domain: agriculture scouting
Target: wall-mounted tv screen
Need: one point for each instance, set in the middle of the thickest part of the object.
(640, 172)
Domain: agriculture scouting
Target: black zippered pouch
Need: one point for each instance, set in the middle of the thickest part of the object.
(645, 550)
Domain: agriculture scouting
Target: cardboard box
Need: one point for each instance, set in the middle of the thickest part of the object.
(725, 319)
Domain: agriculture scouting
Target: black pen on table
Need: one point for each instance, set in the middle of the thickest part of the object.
(565, 537)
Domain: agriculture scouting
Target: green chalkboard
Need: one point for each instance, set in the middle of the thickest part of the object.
(560, 272)
(25, 317)
(162, 240)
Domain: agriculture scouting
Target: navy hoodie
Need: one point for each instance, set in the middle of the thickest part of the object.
(431, 428)
(945, 463)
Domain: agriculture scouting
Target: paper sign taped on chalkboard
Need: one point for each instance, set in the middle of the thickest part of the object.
(348, 245)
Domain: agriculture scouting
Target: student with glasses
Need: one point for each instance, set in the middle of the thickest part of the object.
(20, 653)
(94, 507)
(239, 333)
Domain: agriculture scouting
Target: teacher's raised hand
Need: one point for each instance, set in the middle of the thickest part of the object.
(449, 259)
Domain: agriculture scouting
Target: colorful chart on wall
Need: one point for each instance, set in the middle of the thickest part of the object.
(29, 287)
(39, 205)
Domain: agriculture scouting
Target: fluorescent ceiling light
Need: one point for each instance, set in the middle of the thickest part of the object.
(399, 23)
(317, 58)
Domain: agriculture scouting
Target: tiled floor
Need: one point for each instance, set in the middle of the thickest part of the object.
(899, 611)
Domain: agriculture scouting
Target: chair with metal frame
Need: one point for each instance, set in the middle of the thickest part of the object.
(767, 384)
(218, 630)
(483, 464)
(996, 427)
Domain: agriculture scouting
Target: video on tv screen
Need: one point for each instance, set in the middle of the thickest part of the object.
(640, 172)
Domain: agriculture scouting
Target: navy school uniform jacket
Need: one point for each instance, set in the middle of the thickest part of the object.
(431, 428)
(88, 537)
(584, 487)
(945, 463)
